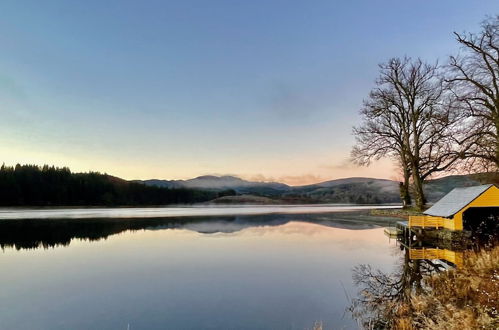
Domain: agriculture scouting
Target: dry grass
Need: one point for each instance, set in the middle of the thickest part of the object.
(466, 298)
(396, 213)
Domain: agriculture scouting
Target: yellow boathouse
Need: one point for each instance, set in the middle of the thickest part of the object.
(458, 209)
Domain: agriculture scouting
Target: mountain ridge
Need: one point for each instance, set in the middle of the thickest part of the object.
(326, 183)
(344, 190)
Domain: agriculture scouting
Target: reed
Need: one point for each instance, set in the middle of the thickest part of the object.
(464, 298)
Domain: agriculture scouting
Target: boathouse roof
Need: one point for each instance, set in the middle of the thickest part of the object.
(456, 200)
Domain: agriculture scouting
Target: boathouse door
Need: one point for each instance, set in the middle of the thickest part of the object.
(481, 220)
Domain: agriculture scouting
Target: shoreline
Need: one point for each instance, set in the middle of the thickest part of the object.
(398, 213)
(180, 211)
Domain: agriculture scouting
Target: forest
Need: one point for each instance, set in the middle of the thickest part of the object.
(31, 185)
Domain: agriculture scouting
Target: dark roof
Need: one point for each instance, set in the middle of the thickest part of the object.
(456, 200)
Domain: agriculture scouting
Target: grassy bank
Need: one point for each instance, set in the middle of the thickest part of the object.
(395, 213)
(465, 298)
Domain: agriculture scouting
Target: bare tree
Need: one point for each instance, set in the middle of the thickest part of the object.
(406, 118)
(381, 135)
(473, 78)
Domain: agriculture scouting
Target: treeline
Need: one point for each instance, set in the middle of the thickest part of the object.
(352, 193)
(31, 185)
(433, 118)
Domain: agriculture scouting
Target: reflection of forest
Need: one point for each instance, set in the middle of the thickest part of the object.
(36, 233)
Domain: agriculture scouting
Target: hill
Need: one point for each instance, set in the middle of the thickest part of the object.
(29, 185)
(369, 190)
(438, 188)
(351, 190)
(219, 183)
(356, 190)
(245, 199)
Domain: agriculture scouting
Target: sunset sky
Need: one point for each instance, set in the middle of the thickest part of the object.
(265, 90)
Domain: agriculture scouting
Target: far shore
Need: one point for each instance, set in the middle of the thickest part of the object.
(395, 212)
(81, 212)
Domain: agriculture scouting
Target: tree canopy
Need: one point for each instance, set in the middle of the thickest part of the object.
(432, 118)
(23, 185)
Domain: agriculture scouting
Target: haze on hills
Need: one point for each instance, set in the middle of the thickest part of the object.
(357, 190)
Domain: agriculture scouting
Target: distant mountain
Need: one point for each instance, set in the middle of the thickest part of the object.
(351, 190)
(218, 183)
(162, 183)
(438, 188)
(369, 190)
(356, 190)
(353, 180)
(230, 182)
(31, 185)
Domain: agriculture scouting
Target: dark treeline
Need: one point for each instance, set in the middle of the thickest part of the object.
(36, 233)
(31, 185)
(50, 233)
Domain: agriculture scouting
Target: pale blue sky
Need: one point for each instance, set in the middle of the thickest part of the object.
(176, 89)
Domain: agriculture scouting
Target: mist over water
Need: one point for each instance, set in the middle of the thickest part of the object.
(179, 211)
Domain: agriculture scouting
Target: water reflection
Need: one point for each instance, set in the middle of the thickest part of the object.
(451, 256)
(46, 233)
(273, 272)
(382, 293)
(384, 296)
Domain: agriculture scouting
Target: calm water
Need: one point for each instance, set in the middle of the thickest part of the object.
(256, 271)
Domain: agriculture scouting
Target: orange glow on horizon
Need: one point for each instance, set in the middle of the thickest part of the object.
(294, 171)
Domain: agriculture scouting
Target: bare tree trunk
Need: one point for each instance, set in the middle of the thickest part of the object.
(497, 144)
(404, 189)
(418, 188)
(404, 195)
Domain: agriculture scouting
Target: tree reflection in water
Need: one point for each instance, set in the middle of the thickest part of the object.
(48, 233)
(382, 294)
(386, 300)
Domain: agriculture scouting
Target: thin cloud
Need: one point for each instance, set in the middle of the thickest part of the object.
(9, 88)
(292, 180)
(290, 102)
(345, 164)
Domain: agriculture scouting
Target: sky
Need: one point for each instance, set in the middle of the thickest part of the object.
(263, 89)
